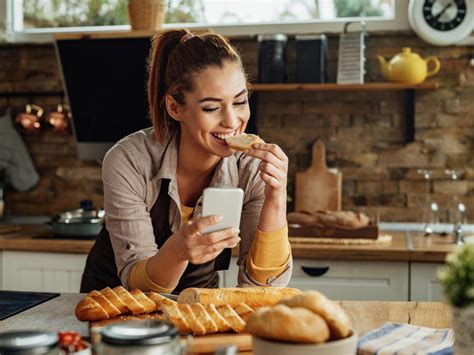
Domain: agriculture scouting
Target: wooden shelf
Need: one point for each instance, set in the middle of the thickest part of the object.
(409, 89)
(337, 87)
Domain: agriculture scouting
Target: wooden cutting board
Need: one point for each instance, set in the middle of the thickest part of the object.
(318, 188)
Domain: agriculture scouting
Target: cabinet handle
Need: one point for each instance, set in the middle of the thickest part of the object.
(315, 271)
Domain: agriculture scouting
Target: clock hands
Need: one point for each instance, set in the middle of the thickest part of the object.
(447, 6)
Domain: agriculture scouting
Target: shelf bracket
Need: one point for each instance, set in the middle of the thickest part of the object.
(410, 115)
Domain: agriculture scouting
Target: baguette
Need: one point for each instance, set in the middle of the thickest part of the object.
(254, 297)
(243, 141)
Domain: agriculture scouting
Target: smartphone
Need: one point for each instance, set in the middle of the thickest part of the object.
(226, 202)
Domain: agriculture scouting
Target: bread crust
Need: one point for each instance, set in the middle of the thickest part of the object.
(298, 325)
(243, 141)
(253, 297)
(330, 311)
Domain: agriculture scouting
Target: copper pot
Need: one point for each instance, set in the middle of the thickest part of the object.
(60, 119)
(29, 120)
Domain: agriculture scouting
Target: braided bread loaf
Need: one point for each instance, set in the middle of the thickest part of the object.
(190, 318)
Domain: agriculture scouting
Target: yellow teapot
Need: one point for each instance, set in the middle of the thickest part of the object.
(408, 67)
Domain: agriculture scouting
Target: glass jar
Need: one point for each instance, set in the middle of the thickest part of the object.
(28, 342)
(143, 337)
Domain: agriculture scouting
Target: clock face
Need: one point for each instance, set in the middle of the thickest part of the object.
(444, 15)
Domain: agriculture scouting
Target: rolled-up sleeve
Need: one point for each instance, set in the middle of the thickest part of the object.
(248, 229)
(126, 214)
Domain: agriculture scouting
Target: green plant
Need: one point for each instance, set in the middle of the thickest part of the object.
(457, 276)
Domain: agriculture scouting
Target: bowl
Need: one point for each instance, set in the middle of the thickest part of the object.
(346, 346)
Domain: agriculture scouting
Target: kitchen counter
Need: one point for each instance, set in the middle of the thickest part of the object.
(58, 314)
(405, 246)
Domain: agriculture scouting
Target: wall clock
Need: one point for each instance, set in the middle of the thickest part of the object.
(441, 22)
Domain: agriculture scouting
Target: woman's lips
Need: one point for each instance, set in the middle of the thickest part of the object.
(219, 141)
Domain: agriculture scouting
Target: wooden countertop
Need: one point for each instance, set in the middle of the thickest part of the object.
(403, 247)
(58, 314)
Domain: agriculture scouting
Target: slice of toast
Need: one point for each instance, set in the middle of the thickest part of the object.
(195, 325)
(173, 314)
(204, 318)
(236, 323)
(147, 303)
(115, 300)
(244, 311)
(221, 323)
(134, 306)
(109, 308)
(243, 141)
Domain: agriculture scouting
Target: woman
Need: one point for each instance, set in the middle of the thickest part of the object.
(154, 178)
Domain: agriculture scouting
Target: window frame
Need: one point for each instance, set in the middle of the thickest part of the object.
(398, 23)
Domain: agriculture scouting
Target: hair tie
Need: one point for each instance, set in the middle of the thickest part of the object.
(186, 37)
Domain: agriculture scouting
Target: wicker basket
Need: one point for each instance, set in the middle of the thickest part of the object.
(146, 14)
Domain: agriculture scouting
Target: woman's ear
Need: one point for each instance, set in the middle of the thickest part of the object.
(172, 107)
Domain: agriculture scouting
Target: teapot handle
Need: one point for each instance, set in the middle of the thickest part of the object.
(436, 67)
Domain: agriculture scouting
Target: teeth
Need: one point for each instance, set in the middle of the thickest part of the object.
(223, 136)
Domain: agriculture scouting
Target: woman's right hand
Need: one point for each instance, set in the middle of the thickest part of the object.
(191, 245)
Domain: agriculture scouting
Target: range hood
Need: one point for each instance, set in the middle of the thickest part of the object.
(105, 83)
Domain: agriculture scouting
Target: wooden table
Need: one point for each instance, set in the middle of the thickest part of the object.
(58, 314)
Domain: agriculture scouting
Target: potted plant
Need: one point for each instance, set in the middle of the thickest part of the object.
(457, 278)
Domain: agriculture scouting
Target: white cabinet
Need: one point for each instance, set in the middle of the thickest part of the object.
(345, 280)
(424, 286)
(353, 280)
(41, 271)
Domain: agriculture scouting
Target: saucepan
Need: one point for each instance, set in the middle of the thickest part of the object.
(84, 222)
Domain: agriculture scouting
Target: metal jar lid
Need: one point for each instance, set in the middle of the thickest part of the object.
(139, 333)
(28, 342)
(279, 37)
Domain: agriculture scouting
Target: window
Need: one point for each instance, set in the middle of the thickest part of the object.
(230, 17)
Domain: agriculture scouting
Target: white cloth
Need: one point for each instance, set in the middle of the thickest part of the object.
(14, 157)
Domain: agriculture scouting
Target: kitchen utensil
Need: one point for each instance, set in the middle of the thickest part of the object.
(351, 56)
(318, 188)
(408, 67)
(29, 121)
(83, 222)
(60, 119)
(311, 52)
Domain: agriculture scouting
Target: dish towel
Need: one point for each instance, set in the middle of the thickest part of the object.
(398, 338)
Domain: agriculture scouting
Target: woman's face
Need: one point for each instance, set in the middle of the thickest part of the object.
(217, 108)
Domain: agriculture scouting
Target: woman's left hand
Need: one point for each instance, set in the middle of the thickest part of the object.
(273, 169)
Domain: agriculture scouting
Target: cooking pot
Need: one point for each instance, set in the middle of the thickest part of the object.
(83, 222)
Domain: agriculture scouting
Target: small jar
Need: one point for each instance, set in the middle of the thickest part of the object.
(28, 342)
(144, 337)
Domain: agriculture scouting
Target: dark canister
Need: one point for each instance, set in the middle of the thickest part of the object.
(311, 51)
(29, 342)
(272, 58)
(145, 337)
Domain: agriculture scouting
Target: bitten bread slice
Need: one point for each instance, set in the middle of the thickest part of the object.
(243, 141)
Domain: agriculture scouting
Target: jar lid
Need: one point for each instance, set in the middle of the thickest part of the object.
(144, 332)
(27, 341)
(272, 37)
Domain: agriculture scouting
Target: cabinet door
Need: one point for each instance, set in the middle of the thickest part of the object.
(424, 286)
(353, 280)
(43, 272)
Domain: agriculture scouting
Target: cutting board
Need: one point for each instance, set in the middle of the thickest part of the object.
(318, 188)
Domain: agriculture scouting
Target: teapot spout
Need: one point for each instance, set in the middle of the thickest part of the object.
(383, 67)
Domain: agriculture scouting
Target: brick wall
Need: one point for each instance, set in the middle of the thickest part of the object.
(363, 132)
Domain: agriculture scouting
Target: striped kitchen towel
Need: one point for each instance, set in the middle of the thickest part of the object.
(397, 338)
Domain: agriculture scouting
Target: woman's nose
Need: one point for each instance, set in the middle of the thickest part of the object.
(230, 119)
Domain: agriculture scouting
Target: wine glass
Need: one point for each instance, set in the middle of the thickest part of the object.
(430, 214)
(456, 208)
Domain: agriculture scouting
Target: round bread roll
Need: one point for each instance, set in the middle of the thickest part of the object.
(330, 311)
(296, 325)
(243, 141)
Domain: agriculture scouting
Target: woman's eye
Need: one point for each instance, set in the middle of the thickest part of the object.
(209, 109)
(241, 102)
